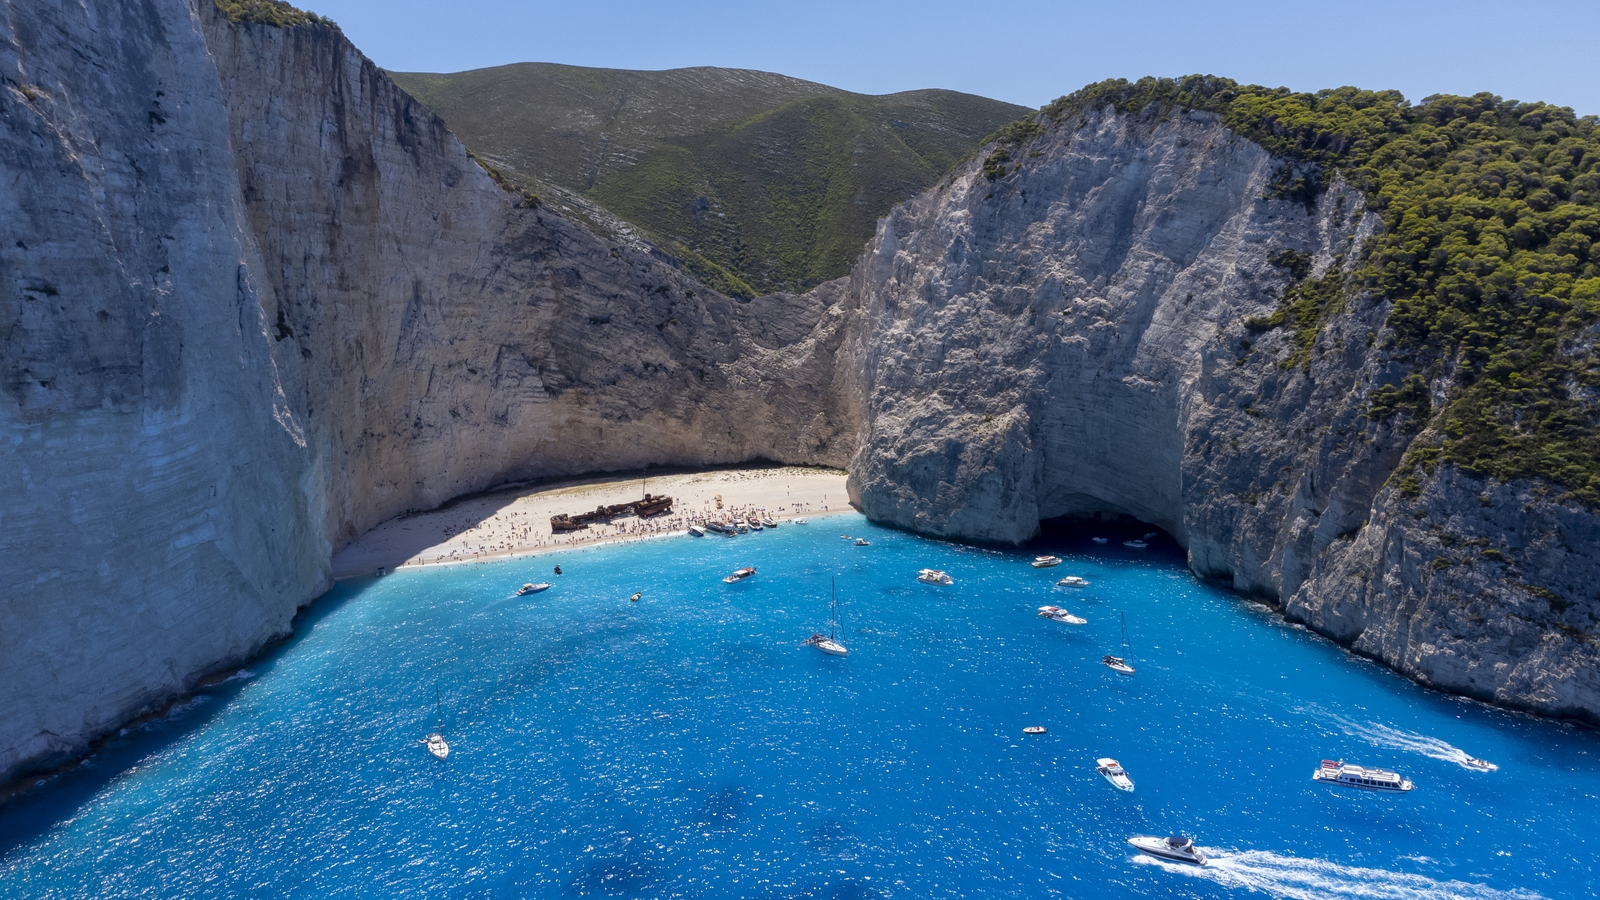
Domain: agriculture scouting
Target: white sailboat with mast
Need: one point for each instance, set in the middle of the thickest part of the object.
(1119, 664)
(831, 643)
(435, 742)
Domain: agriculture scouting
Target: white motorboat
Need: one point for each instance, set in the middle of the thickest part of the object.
(636, 596)
(844, 537)
(1101, 540)
(697, 531)
(832, 642)
(769, 522)
(742, 527)
(934, 576)
(435, 741)
(1479, 765)
(739, 575)
(863, 542)
(531, 588)
(1137, 545)
(1177, 849)
(1045, 562)
(1057, 614)
(1112, 771)
(1072, 581)
(801, 521)
(754, 523)
(1034, 729)
(1361, 777)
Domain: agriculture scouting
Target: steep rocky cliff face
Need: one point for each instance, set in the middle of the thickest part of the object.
(256, 300)
(1069, 338)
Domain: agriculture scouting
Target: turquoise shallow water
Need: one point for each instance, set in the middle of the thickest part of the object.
(685, 746)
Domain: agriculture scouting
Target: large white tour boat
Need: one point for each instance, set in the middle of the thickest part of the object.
(1361, 777)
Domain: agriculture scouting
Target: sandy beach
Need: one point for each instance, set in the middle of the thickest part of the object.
(515, 521)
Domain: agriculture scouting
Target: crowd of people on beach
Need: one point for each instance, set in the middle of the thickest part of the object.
(510, 532)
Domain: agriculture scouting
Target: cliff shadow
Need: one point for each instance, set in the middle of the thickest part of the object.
(35, 802)
(1104, 532)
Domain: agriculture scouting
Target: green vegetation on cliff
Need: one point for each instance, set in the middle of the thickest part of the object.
(270, 12)
(756, 181)
(1490, 252)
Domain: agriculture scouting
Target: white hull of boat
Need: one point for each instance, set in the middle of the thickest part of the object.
(1185, 852)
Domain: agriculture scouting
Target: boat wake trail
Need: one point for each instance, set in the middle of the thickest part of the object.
(1411, 742)
(1291, 878)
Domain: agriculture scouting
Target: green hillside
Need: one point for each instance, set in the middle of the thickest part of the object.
(757, 181)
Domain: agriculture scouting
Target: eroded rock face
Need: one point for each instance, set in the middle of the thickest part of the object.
(1070, 339)
(255, 300)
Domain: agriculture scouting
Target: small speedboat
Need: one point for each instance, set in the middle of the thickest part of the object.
(1335, 771)
(1045, 562)
(934, 576)
(1112, 771)
(437, 745)
(1177, 849)
(1034, 729)
(844, 537)
(740, 575)
(1137, 545)
(1100, 540)
(755, 523)
(1072, 581)
(801, 521)
(531, 588)
(697, 531)
(636, 596)
(1479, 765)
(863, 542)
(1057, 614)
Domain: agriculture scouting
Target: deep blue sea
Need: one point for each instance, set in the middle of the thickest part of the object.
(687, 746)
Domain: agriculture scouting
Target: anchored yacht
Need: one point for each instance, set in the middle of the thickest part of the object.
(1057, 614)
(1361, 777)
(1112, 771)
(1175, 848)
(1072, 581)
(1045, 562)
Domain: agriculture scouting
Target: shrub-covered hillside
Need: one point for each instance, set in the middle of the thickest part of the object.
(759, 182)
(1490, 253)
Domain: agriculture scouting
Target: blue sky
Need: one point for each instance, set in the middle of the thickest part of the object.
(1027, 52)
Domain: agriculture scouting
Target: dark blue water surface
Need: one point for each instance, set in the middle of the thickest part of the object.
(686, 746)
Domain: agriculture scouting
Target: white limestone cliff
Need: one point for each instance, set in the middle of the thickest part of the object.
(257, 300)
(1069, 339)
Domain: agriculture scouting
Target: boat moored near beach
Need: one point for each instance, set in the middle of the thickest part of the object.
(1334, 771)
(697, 531)
(1176, 848)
